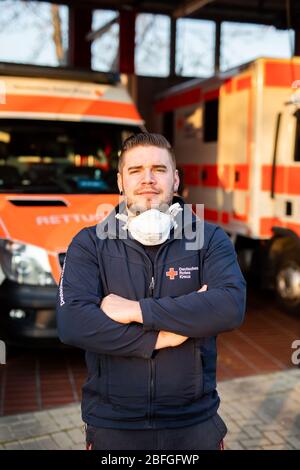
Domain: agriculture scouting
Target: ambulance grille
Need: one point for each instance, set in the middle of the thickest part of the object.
(37, 202)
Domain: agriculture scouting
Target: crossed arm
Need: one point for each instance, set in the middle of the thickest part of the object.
(126, 311)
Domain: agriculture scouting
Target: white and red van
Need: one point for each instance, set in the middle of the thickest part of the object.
(60, 134)
(237, 142)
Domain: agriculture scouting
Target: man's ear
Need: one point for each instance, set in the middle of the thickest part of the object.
(176, 181)
(119, 181)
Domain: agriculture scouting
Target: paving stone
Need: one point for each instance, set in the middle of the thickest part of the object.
(76, 419)
(41, 429)
(294, 442)
(57, 412)
(9, 419)
(41, 443)
(278, 447)
(234, 446)
(78, 446)
(252, 431)
(5, 434)
(76, 435)
(64, 422)
(42, 414)
(27, 420)
(237, 436)
(255, 443)
(20, 431)
(273, 437)
(13, 446)
(62, 440)
(232, 427)
(271, 427)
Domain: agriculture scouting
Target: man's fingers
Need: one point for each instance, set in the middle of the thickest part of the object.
(203, 288)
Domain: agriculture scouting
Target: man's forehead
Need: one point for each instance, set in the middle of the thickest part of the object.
(147, 156)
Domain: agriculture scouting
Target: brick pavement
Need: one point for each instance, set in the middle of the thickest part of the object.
(261, 412)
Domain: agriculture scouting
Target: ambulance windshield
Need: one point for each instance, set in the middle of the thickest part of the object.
(42, 157)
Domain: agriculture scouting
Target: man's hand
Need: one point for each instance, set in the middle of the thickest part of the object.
(203, 288)
(166, 339)
(121, 310)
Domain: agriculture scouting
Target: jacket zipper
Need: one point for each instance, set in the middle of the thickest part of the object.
(151, 361)
(151, 287)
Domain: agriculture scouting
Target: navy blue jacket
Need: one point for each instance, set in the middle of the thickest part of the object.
(129, 385)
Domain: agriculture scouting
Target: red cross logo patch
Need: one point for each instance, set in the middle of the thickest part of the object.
(171, 274)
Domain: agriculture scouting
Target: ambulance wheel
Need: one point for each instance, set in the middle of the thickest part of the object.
(287, 281)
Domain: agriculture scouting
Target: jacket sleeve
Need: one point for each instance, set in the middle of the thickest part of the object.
(81, 322)
(220, 308)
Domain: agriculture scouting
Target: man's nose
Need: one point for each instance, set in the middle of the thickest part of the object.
(148, 176)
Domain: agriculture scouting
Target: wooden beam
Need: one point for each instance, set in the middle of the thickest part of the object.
(97, 33)
(217, 46)
(189, 7)
(173, 48)
(80, 20)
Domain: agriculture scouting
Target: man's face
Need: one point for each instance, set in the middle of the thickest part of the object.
(148, 178)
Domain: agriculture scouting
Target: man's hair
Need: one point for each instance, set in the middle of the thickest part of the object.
(146, 139)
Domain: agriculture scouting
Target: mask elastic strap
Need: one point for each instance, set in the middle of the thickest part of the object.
(123, 218)
(173, 211)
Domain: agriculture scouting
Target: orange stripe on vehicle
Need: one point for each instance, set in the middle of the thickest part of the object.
(209, 176)
(281, 74)
(286, 179)
(191, 174)
(266, 224)
(241, 179)
(63, 105)
(178, 100)
(241, 217)
(212, 176)
(237, 84)
(243, 83)
(228, 86)
(211, 214)
(225, 217)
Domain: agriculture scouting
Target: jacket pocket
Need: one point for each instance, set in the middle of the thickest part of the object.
(127, 385)
(179, 376)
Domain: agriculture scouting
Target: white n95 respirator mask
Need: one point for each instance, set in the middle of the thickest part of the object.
(152, 227)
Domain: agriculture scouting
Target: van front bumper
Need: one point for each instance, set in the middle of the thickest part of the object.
(27, 312)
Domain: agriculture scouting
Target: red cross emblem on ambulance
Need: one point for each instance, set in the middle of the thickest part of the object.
(171, 274)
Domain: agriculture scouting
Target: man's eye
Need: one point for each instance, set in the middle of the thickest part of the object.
(161, 170)
(133, 171)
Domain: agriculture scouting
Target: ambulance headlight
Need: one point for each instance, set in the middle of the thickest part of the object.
(25, 264)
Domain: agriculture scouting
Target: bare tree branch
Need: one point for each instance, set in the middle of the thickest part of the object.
(57, 34)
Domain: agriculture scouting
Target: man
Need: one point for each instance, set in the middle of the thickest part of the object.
(146, 305)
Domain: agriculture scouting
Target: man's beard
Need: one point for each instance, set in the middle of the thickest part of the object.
(138, 208)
